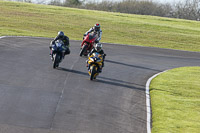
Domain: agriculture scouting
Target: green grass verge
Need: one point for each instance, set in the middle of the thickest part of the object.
(175, 99)
(24, 19)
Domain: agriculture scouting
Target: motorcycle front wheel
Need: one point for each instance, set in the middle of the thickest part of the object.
(93, 72)
(56, 60)
(83, 50)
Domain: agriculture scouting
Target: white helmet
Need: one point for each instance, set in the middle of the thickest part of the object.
(97, 27)
(98, 47)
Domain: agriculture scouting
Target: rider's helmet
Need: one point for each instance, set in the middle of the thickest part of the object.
(98, 47)
(61, 34)
(97, 27)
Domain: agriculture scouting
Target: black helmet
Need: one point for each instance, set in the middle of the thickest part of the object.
(97, 27)
(98, 47)
(61, 34)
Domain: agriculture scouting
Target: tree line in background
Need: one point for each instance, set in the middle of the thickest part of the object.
(187, 9)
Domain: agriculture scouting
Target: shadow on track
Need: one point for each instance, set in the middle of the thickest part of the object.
(72, 71)
(100, 79)
(117, 80)
(130, 65)
(114, 83)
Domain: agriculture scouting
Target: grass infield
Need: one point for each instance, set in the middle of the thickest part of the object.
(175, 101)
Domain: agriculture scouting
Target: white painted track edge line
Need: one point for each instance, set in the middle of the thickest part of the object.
(148, 101)
(2, 37)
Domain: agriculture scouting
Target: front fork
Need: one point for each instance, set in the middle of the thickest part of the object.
(63, 54)
(98, 67)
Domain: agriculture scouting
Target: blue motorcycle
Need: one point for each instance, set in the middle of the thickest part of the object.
(58, 52)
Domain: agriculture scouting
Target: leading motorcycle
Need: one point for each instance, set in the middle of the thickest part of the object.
(95, 63)
(87, 44)
(58, 51)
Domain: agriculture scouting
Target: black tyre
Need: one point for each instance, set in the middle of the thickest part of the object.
(93, 71)
(56, 60)
(83, 50)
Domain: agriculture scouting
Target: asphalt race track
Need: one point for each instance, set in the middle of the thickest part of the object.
(35, 98)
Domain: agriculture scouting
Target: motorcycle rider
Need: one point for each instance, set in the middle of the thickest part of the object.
(65, 39)
(98, 49)
(96, 29)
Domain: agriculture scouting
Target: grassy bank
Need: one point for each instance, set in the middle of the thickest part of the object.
(43, 20)
(175, 97)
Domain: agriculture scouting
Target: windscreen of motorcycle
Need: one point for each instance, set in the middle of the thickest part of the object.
(59, 43)
(91, 36)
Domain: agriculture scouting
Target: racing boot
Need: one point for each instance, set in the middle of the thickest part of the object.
(100, 69)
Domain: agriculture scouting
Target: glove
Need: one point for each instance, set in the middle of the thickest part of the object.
(50, 47)
(96, 41)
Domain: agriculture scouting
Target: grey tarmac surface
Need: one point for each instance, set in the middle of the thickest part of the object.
(35, 98)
